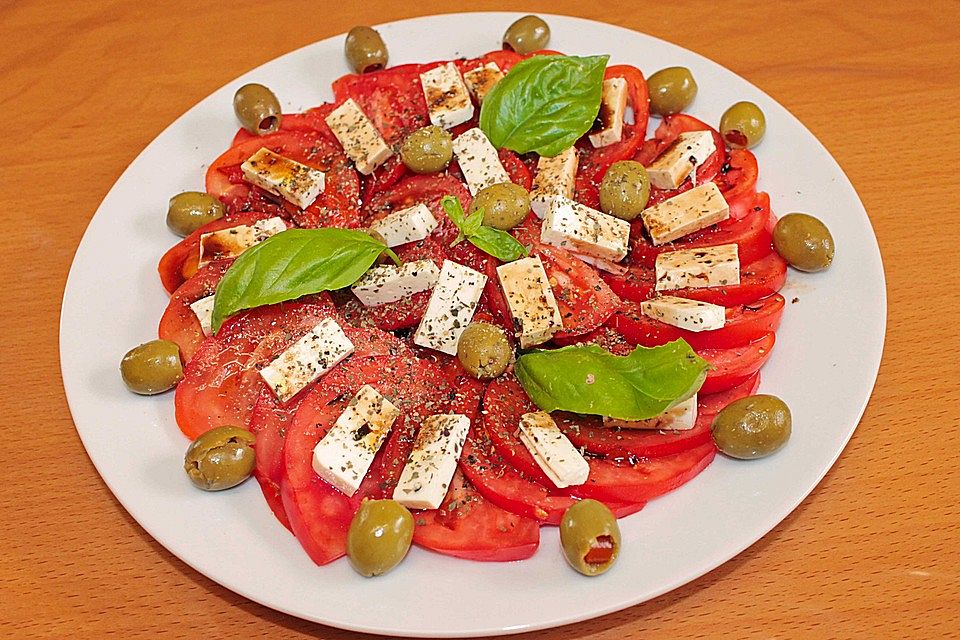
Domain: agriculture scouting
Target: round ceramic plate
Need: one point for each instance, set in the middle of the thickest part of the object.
(824, 366)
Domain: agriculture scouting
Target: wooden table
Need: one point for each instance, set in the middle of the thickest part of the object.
(873, 552)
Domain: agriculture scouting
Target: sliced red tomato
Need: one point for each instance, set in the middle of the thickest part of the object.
(384, 177)
(419, 189)
(588, 432)
(310, 121)
(518, 171)
(734, 366)
(744, 324)
(391, 98)
(504, 403)
(738, 182)
(710, 404)
(179, 323)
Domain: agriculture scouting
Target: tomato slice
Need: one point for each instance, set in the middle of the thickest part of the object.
(666, 134)
(518, 171)
(710, 404)
(744, 324)
(391, 98)
(310, 121)
(179, 323)
(504, 403)
(419, 189)
(738, 181)
(734, 366)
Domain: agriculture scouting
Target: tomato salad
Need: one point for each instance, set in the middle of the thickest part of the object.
(470, 298)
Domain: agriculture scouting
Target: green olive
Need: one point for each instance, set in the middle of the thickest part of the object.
(752, 427)
(505, 205)
(220, 458)
(743, 125)
(671, 90)
(257, 109)
(427, 150)
(484, 350)
(153, 367)
(625, 189)
(526, 35)
(379, 536)
(190, 210)
(590, 537)
(365, 50)
(804, 242)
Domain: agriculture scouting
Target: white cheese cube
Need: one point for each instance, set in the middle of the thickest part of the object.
(613, 106)
(556, 455)
(424, 480)
(407, 225)
(292, 181)
(698, 268)
(359, 137)
(451, 307)
(203, 309)
(307, 359)
(692, 315)
(681, 159)
(555, 178)
(478, 160)
(388, 283)
(448, 101)
(480, 80)
(579, 228)
(682, 417)
(343, 456)
(685, 213)
(232, 241)
(533, 307)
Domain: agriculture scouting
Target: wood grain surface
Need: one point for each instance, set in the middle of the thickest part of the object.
(874, 552)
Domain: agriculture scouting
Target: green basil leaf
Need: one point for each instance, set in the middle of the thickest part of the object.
(451, 205)
(500, 244)
(472, 224)
(544, 104)
(588, 379)
(294, 263)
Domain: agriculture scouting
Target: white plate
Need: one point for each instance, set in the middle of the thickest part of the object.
(824, 366)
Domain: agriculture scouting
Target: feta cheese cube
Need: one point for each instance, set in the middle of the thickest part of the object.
(448, 101)
(343, 456)
(480, 80)
(555, 178)
(698, 268)
(303, 362)
(478, 160)
(359, 137)
(232, 241)
(533, 307)
(203, 309)
(554, 453)
(451, 307)
(613, 106)
(407, 225)
(681, 159)
(388, 283)
(685, 213)
(579, 228)
(292, 181)
(426, 477)
(692, 315)
(682, 417)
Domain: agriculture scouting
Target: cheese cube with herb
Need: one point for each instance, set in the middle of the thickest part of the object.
(203, 309)
(692, 315)
(303, 362)
(343, 456)
(685, 213)
(388, 283)
(232, 241)
(716, 266)
(681, 159)
(426, 477)
(613, 107)
(682, 417)
(452, 305)
(448, 101)
(480, 80)
(358, 136)
(578, 228)
(292, 181)
(533, 306)
(555, 179)
(553, 451)
(407, 225)
(478, 160)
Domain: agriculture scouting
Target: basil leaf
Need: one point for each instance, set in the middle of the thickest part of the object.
(472, 224)
(500, 244)
(294, 263)
(588, 379)
(544, 104)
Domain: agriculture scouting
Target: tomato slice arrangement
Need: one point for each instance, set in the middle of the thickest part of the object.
(261, 369)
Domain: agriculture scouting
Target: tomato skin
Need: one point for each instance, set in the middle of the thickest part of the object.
(391, 98)
(710, 404)
(419, 189)
(735, 366)
(310, 121)
(179, 323)
(738, 182)
(518, 171)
